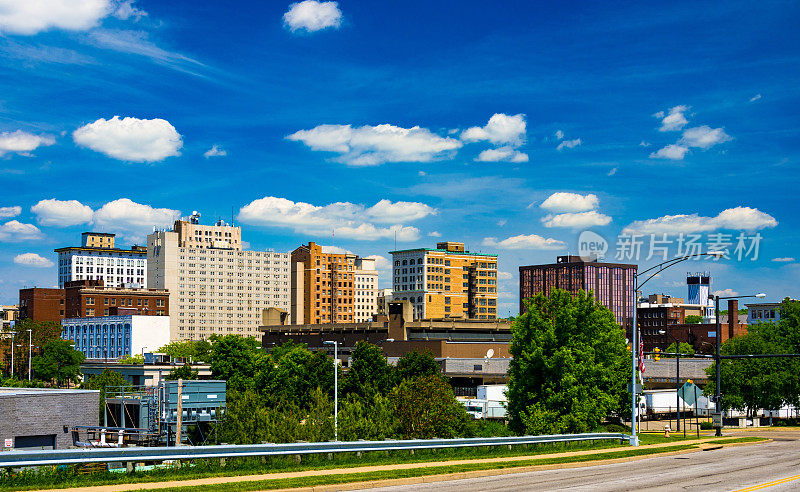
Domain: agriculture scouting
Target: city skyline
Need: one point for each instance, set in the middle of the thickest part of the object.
(356, 125)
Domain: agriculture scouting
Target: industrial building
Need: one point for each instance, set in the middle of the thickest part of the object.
(214, 286)
(612, 284)
(40, 418)
(97, 258)
(446, 282)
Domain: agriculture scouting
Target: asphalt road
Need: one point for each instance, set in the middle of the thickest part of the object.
(728, 469)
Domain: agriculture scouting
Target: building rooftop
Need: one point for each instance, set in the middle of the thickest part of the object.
(6, 392)
(134, 249)
(466, 253)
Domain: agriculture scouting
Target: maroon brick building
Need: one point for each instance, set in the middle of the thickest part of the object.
(611, 283)
(90, 298)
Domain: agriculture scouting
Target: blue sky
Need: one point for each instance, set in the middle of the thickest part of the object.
(512, 128)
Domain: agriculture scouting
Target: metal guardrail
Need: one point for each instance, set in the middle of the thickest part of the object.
(104, 455)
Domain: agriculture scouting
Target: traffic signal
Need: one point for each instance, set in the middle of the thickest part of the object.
(656, 355)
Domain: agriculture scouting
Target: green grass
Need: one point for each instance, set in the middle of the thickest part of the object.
(31, 479)
(417, 472)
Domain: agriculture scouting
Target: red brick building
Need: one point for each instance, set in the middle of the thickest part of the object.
(90, 298)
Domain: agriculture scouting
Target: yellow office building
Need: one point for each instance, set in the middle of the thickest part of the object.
(446, 282)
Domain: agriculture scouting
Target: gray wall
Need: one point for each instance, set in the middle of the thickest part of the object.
(32, 412)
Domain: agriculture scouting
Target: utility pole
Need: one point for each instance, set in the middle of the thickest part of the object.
(180, 413)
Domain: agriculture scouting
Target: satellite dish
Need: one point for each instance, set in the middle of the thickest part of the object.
(489, 353)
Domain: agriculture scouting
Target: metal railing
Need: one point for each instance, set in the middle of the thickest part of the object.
(134, 455)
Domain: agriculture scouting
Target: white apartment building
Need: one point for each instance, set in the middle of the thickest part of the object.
(365, 284)
(98, 259)
(215, 290)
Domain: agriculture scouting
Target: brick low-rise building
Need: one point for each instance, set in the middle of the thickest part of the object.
(90, 298)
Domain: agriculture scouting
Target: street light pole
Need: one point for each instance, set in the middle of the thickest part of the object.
(677, 377)
(12, 354)
(635, 331)
(30, 351)
(717, 359)
(335, 344)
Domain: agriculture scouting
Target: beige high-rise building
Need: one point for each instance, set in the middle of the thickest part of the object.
(214, 286)
(446, 282)
(193, 234)
(365, 279)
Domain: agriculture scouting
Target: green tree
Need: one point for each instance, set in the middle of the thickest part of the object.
(426, 408)
(570, 365)
(289, 374)
(684, 348)
(369, 373)
(318, 421)
(415, 364)
(41, 333)
(247, 420)
(105, 379)
(182, 372)
(234, 359)
(752, 384)
(58, 362)
(694, 319)
(196, 350)
(132, 359)
(370, 419)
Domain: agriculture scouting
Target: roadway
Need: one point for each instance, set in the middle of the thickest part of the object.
(733, 468)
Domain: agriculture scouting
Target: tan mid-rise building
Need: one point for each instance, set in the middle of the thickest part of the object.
(446, 282)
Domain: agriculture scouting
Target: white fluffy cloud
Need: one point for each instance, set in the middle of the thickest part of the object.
(570, 202)
(22, 142)
(374, 145)
(29, 17)
(132, 217)
(122, 215)
(7, 212)
(568, 144)
(62, 213)
(387, 212)
(15, 231)
(311, 15)
(673, 152)
(703, 137)
(33, 260)
(738, 218)
(559, 134)
(347, 220)
(335, 250)
(435, 234)
(725, 293)
(784, 259)
(130, 139)
(505, 153)
(504, 275)
(381, 262)
(531, 241)
(576, 219)
(502, 129)
(215, 151)
(673, 120)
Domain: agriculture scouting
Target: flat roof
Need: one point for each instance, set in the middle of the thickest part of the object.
(588, 263)
(467, 253)
(114, 250)
(6, 392)
(107, 234)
